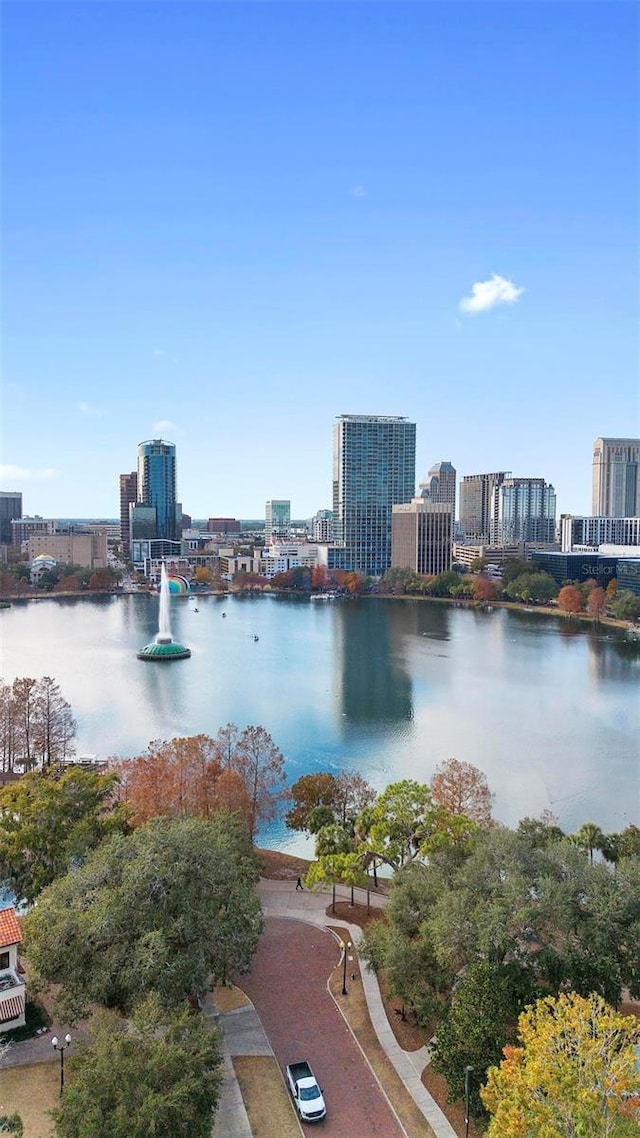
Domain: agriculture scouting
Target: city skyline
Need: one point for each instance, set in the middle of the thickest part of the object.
(280, 214)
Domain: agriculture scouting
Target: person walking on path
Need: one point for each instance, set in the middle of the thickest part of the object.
(299, 884)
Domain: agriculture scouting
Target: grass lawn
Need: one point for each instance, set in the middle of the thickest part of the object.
(266, 1100)
(32, 1092)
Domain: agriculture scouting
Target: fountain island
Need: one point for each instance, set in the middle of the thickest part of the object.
(164, 647)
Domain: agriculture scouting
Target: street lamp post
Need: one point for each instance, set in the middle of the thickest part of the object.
(468, 1072)
(347, 949)
(61, 1047)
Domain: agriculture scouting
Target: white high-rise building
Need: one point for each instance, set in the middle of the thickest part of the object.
(322, 526)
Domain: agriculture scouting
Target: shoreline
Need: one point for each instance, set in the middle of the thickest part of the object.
(514, 606)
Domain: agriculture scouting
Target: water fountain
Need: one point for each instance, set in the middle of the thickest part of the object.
(164, 647)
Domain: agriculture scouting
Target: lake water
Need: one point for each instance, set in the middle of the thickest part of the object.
(548, 709)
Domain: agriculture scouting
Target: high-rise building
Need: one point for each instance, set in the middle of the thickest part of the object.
(440, 485)
(523, 509)
(322, 526)
(10, 509)
(374, 469)
(157, 486)
(477, 502)
(616, 478)
(128, 497)
(277, 520)
(421, 536)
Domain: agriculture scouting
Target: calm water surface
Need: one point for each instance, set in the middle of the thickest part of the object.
(550, 711)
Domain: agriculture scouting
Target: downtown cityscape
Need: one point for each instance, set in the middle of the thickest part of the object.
(320, 569)
(379, 520)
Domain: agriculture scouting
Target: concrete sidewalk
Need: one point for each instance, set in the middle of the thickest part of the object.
(242, 1034)
(282, 899)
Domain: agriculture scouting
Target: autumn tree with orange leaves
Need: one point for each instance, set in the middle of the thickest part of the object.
(570, 599)
(484, 590)
(596, 603)
(462, 789)
(181, 778)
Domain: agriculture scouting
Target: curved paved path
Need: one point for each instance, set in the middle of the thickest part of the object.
(288, 987)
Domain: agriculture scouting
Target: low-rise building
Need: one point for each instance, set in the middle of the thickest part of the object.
(280, 557)
(593, 532)
(12, 987)
(88, 550)
(577, 566)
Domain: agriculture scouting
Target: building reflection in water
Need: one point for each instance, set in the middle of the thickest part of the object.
(371, 671)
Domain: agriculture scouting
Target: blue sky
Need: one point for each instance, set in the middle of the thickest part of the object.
(226, 223)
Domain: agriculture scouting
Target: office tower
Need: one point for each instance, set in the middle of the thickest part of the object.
(616, 478)
(10, 509)
(476, 501)
(128, 497)
(277, 520)
(421, 536)
(440, 485)
(523, 509)
(157, 486)
(322, 526)
(374, 469)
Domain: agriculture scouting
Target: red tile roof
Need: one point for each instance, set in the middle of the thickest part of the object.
(9, 928)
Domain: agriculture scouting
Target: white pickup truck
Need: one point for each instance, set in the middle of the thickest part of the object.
(306, 1092)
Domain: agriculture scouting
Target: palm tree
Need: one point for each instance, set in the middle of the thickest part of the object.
(589, 837)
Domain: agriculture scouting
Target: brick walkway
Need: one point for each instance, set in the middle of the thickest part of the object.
(288, 987)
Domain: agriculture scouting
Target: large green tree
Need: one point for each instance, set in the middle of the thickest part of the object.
(481, 1019)
(574, 924)
(158, 1074)
(395, 827)
(401, 946)
(50, 821)
(170, 908)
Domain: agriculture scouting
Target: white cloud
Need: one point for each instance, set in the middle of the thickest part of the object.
(358, 192)
(489, 294)
(163, 354)
(162, 426)
(15, 475)
(87, 409)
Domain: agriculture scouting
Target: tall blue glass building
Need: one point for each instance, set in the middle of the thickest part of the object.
(374, 469)
(157, 485)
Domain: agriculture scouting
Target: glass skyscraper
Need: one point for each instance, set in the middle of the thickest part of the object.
(523, 509)
(374, 469)
(157, 485)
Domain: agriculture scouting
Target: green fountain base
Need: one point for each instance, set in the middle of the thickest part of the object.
(164, 650)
